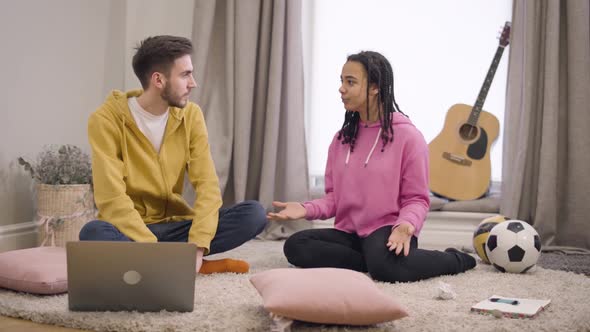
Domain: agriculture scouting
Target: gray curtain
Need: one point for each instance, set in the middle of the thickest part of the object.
(249, 67)
(547, 119)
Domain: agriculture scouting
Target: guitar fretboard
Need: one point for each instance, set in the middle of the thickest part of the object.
(483, 93)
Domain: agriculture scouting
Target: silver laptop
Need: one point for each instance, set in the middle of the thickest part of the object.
(126, 276)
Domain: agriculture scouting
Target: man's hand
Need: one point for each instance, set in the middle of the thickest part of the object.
(290, 211)
(400, 238)
(200, 252)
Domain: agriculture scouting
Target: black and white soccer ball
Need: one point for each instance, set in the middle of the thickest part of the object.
(513, 246)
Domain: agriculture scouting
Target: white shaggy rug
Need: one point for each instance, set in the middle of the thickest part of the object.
(228, 302)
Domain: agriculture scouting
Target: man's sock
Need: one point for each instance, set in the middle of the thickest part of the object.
(224, 265)
(466, 261)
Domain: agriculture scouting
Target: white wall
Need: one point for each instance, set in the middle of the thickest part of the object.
(53, 67)
(440, 52)
(154, 17)
(59, 59)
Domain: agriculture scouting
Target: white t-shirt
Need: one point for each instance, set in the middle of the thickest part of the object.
(152, 126)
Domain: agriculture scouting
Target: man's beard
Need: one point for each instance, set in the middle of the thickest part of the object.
(172, 101)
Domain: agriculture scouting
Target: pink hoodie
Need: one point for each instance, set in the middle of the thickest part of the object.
(392, 187)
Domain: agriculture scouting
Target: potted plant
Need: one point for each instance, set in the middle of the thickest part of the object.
(63, 185)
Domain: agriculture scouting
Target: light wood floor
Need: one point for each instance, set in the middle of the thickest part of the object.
(9, 324)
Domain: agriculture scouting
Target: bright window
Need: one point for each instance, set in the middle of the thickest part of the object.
(440, 52)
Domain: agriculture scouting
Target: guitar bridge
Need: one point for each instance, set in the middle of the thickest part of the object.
(457, 159)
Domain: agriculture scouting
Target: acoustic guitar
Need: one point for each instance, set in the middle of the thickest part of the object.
(460, 166)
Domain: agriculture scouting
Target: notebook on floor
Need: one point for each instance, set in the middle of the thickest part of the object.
(127, 276)
(510, 307)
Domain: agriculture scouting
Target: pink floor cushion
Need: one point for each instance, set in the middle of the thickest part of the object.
(326, 296)
(41, 270)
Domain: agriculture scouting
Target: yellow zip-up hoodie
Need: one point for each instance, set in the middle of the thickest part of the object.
(134, 185)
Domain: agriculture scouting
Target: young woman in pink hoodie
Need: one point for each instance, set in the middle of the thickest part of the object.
(376, 188)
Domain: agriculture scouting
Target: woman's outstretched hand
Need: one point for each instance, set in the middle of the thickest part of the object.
(400, 238)
(290, 211)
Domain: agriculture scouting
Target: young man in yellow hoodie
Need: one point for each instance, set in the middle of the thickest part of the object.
(142, 143)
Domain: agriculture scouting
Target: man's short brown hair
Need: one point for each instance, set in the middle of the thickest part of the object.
(158, 53)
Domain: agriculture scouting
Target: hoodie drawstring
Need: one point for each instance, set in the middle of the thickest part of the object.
(187, 144)
(370, 152)
(125, 152)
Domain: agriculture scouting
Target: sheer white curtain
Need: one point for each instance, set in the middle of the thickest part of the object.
(440, 52)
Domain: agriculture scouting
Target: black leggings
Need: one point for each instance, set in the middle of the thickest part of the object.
(333, 248)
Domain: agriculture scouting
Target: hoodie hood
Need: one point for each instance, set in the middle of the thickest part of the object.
(398, 120)
(116, 105)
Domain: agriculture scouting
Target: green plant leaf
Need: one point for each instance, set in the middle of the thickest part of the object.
(65, 164)
(27, 166)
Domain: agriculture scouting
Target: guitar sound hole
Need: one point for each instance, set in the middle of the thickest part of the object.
(468, 132)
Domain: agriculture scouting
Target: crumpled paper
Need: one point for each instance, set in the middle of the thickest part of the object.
(280, 323)
(444, 291)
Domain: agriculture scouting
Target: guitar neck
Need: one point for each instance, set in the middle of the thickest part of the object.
(483, 93)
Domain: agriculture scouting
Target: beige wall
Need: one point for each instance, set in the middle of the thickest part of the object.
(155, 17)
(58, 60)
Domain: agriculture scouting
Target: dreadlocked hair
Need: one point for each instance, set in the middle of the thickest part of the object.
(379, 72)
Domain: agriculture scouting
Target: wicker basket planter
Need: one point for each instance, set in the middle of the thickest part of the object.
(63, 210)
